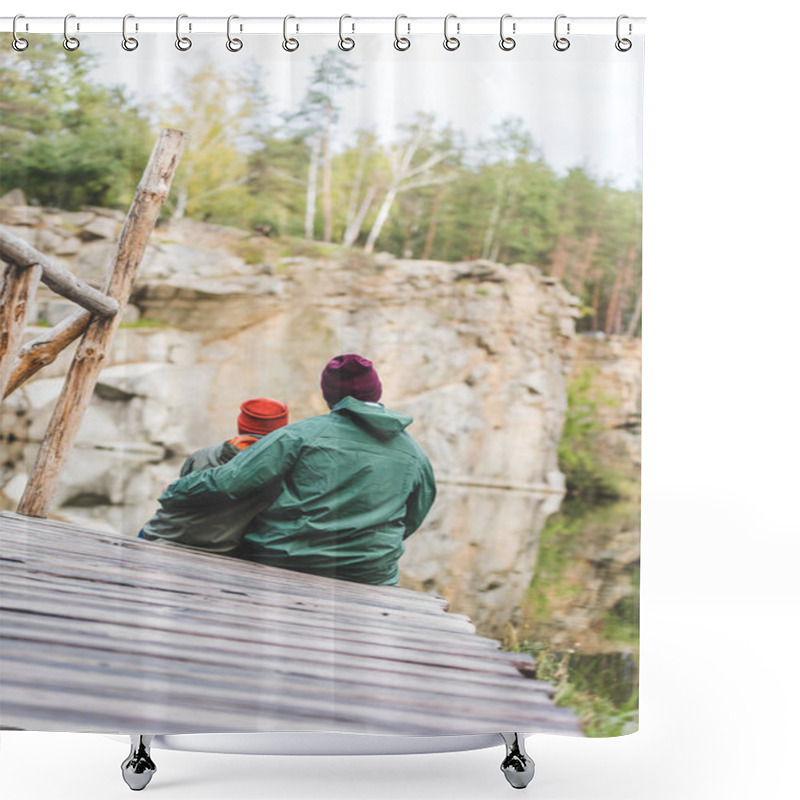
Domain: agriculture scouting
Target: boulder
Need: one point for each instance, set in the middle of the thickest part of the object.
(19, 215)
(68, 247)
(93, 260)
(77, 219)
(100, 228)
(47, 241)
(16, 197)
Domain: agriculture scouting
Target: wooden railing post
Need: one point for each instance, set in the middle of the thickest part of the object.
(19, 283)
(91, 353)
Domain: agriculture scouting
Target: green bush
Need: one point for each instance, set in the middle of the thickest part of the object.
(578, 458)
(599, 713)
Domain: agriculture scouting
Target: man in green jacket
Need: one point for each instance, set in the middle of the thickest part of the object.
(351, 485)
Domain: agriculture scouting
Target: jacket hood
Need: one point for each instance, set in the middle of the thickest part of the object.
(379, 421)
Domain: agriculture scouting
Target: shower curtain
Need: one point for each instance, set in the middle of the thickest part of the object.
(423, 253)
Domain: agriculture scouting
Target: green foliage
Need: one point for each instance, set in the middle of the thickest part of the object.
(578, 459)
(555, 552)
(211, 181)
(65, 140)
(601, 687)
(559, 545)
(301, 248)
(276, 186)
(622, 622)
(332, 72)
(601, 712)
(252, 251)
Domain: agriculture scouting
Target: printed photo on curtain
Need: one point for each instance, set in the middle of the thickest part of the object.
(321, 366)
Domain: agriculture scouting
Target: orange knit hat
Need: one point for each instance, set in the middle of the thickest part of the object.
(262, 415)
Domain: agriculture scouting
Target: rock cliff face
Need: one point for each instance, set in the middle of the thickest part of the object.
(596, 597)
(478, 353)
(615, 364)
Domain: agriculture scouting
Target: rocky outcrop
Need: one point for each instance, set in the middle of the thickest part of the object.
(591, 591)
(594, 605)
(478, 353)
(615, 365)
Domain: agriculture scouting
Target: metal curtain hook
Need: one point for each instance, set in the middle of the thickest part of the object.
(70, 42)
(623, 45)
(18, 43)
(182, 42)
(129, 43)
(506, 42)
(561, 43)
(233, 44)
(346, 42)
(401, 42)
(451, 42)
(289, 44)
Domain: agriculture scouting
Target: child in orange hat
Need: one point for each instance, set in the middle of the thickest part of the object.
(220, 529)
(257, 418)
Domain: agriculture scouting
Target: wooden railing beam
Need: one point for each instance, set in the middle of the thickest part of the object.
(18, 252)
(44, 349)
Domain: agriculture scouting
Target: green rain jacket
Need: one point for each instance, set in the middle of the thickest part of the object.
(352, 485)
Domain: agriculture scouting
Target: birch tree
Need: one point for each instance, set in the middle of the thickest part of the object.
(520, 221)
(211, 180)
(418, 159)
(360, 197)
(317, 118)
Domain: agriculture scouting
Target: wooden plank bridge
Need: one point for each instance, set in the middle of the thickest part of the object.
(100, 632)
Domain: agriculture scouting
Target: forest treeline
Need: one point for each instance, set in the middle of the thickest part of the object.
(69, 141)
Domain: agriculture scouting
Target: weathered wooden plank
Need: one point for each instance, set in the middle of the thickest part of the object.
(154, 581)
(255, 610)
(329, 622)
(36, 644)
(493, 683)
(310, 610)
(117, 549)
(18, 285)
(57, 710)
(255, 710)
(122, 624)
(268, 583)
(233, 681)
(202, 645)
(45, 349)
(18, 252)
(91, 352)
(319, 699)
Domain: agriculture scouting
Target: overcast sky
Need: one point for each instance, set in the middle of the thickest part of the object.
(582, 107)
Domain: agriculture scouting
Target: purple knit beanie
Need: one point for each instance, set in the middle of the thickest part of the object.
(352, 375)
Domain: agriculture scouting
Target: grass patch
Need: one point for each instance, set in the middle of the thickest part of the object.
(603, 710)
(562, 539)
(578, 459)
(303, 248)
(144, 322)
(252, 251)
